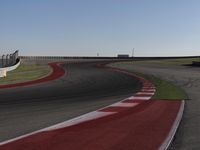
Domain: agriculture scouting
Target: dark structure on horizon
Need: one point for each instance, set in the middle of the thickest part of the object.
(123, 56)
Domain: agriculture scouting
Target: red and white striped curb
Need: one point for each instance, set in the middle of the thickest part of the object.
(144, 94)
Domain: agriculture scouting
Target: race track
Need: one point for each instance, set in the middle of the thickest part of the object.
(82, 89)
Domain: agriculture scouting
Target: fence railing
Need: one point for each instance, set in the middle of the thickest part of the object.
(66, 57)
(85, 57)
(9, 59)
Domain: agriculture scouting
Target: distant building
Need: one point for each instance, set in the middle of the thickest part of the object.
(123, 56)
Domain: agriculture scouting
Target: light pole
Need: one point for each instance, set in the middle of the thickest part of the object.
(133, 52)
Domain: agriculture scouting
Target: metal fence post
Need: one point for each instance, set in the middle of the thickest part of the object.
(7, 59)
(11, 59)
(3, 60)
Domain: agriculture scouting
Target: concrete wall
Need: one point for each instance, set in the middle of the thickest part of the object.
(196, 63)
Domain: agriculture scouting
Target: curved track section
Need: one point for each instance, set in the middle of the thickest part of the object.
(133, 122)
(83, 89)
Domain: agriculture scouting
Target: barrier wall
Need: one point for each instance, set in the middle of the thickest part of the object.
(196, 63)
(84, 57)
(3, 71)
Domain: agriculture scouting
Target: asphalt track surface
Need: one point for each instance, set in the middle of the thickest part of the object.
(82, 89)
(187, 77)
(132, 122)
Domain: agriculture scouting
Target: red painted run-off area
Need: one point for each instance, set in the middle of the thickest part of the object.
(143, 127)
(57, 72)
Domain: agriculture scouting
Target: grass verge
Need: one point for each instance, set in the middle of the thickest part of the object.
(178, 61)
(26, 73)
(165, 89)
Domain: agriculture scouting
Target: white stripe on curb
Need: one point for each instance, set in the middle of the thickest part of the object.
(148, 93)
(139, 98)
(144, 90)
(120, 104)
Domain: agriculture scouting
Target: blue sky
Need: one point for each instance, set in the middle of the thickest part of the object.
(107, 27)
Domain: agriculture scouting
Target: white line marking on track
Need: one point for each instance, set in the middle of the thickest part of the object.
(83, 118)
(87, 117)
(139, 97)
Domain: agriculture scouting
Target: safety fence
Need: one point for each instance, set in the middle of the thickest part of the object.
(9, 62)
(9, 59)
(66, 57)
(86, 57)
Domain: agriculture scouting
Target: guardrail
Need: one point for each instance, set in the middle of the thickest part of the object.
(91, 57)
(196, 63)
(66, 57)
